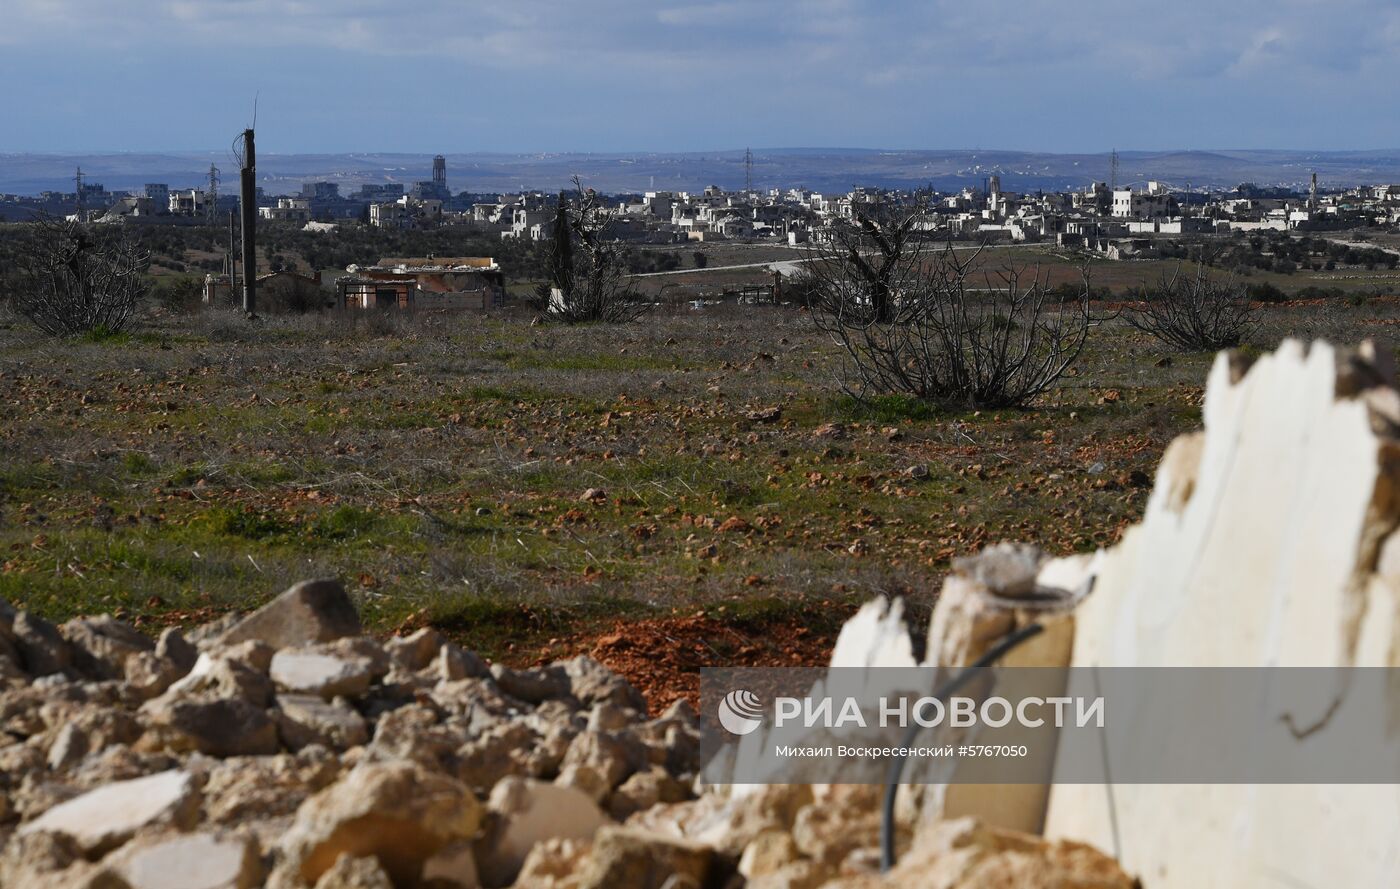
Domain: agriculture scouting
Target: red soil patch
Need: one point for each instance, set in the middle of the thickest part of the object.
(662, 657)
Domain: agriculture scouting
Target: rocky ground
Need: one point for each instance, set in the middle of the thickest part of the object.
(286, 749)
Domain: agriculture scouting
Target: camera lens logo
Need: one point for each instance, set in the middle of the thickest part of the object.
(740, 712)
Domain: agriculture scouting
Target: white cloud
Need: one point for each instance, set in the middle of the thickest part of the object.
(841, 50)
(1099, 37)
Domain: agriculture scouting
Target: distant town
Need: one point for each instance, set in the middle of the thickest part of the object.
(1115, 220)
(433, 247)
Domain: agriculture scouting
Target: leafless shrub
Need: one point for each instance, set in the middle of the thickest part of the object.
(1195, 312)
(182, 295)
(865, 263)
(73, 278)
(587, 279)
(946, 335)
(224, 324)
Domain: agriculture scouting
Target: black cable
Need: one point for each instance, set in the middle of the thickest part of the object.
(896, 770)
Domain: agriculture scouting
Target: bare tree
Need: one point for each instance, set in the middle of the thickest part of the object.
(863, 264)
(74, 278)
(954, 336)
(1195, 312)
(587, 279)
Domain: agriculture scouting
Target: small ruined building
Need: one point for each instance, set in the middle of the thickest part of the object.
(473, 283)
(282, 292)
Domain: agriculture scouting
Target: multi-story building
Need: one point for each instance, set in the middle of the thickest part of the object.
(406, 213)
(186, 202)
(1129, 204)
(288, 210)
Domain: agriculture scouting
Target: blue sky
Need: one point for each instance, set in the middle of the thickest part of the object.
(676, 75)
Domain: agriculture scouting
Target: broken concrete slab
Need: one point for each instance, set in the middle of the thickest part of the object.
(986, 598)
(308, 612)
(875, 637)
(1266, 541)
(104, 818)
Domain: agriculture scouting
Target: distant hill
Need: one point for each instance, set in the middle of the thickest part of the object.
(821, 169)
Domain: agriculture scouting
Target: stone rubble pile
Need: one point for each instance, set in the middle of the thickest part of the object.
(286, 749)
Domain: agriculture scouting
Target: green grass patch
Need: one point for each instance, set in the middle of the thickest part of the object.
(30, 478)
(887, 408)
(138, 464)
(187, 475)
(341, 523)
(245, 523)
(104, 334)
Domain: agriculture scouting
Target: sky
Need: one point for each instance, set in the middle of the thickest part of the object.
(694, 75)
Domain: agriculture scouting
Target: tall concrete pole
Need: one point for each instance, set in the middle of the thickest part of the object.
(232, 254)
(248, 204)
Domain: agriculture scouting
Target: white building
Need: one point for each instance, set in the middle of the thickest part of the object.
(1129, 204)
(288, 210)
(407, 213)
(187, 203)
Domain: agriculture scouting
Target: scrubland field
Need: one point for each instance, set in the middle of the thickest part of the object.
(537, 489)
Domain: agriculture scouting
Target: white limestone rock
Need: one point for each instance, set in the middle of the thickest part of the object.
(312, 672)
(202, 860)
(308, 612)
(396, 812)
(104, 818)
(101, 645)
(417, 650)
(308, 719)
(526, 812)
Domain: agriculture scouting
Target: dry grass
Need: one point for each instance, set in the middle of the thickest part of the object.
(438, 465)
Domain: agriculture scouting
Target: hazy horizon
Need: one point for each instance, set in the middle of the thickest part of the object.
(822, 169)
(704, 151)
